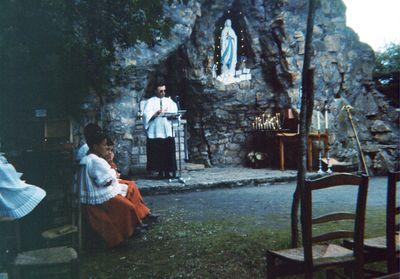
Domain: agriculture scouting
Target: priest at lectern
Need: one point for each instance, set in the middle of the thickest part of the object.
(160, 139)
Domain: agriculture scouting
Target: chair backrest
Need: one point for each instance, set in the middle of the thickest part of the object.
(78, 185)
(359, 216)
(391, 227)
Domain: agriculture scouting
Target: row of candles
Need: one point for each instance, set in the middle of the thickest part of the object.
(267, 122)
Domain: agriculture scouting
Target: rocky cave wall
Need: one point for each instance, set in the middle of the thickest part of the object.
(219, 116)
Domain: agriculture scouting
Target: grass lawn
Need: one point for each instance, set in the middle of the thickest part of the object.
(179, 248)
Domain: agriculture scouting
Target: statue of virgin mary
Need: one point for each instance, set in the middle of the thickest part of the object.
(228, 51)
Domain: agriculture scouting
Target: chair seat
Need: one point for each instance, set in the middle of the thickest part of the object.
(323, 254)
(380, 242)
(47, 256)
(60, 231)
(377, 243)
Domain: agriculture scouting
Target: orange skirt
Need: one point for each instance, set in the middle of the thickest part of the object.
(136, 198)
(116, 219)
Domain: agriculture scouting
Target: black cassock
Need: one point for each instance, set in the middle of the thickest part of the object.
(161, 154)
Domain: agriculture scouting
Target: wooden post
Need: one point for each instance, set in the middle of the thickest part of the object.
(309, 154)
(347, 108)
(281, 154)
(307, 101)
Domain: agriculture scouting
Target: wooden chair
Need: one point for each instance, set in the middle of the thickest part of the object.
(48, 261)
(385, 248)
(41, 260)
(390, 276)
(392, 229)
(74, 228)
(324, 256)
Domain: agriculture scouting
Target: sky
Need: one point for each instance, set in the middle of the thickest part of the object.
(375, 21)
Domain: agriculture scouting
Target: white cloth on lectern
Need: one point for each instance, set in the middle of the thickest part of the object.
(159, 127)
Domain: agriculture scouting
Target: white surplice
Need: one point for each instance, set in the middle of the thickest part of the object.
(160, 126)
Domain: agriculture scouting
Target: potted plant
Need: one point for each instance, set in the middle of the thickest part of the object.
(256, 158)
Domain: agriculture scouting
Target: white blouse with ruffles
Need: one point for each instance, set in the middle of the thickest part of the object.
(99, 181)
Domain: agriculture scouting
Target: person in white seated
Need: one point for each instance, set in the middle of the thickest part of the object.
(17, 198)
(110, 212)
(160, 140)
(89, 129)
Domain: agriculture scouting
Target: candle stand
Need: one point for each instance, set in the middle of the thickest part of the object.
(329, 170)
(319, 146)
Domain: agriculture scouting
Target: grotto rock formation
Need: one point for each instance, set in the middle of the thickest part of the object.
(272, 35)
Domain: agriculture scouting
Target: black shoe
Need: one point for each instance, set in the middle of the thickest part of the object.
(160, 175)
(150, 219)
(168, 175)
(139, 231)
(143, 227)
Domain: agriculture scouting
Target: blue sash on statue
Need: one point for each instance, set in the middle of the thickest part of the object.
(230, 51)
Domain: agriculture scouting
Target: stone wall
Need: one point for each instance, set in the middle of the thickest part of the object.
(219, 115)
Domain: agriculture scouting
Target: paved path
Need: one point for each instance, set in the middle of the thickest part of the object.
(216, 178)
(263, 205)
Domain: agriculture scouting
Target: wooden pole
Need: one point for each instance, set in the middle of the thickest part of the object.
(307, 101)
(348, 108)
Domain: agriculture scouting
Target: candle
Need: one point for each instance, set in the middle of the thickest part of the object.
(318, 123)
(326, 119)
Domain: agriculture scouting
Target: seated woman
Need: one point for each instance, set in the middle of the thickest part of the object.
(110, 211)
(17, 198)
(133, 193)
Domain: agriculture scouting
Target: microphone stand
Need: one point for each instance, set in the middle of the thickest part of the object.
(179, 178)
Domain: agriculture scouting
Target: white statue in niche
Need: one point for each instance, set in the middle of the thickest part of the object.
(228, 50)
(229, 56)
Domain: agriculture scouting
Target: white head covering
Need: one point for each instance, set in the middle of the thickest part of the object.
(82, 152)
(17, 198)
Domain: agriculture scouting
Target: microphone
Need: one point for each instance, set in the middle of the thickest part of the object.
(176, 100)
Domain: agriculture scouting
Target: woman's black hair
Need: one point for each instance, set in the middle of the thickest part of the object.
(90, 130)
(110, 142)
(95, 138)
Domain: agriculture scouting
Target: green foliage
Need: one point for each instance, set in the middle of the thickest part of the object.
(31, 53)
(388, 61)
(52, 52)
(387, 73)
(100, 25)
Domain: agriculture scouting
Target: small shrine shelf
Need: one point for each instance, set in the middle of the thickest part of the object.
(284, 136)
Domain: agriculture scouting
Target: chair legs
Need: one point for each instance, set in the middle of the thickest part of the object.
(359, 271)
(348, 272)
(393, 264)
(75, 269)
(330, 274)
(271, 273)
(16, 272)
